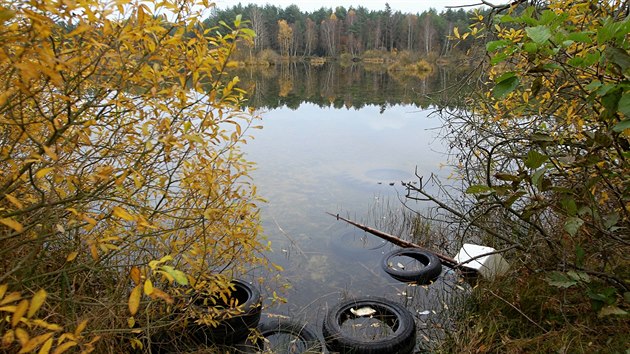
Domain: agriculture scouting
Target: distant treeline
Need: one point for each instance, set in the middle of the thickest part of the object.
(354, 31)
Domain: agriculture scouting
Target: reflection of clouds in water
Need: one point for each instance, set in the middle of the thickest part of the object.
(313, 160)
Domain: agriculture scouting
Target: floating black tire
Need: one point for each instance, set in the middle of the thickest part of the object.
(233, 329)
(306, 340)
(401, 340)
(431, 270)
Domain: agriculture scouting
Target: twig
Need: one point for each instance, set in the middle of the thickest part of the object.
(450, 262)
(289, 237)
(519, 311)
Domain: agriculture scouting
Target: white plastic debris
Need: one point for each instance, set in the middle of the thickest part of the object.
(363, 311)
(488, 266)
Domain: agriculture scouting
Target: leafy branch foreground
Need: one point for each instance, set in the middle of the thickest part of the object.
(543, 153)
(122, 188)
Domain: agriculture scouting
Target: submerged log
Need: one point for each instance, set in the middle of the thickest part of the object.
(447, 261)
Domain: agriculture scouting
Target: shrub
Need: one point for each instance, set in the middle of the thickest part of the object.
(122, 186)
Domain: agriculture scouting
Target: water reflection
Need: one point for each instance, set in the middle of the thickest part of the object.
(290, 84)
(311, 160)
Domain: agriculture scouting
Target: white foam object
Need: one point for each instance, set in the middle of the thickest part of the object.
(487, 266)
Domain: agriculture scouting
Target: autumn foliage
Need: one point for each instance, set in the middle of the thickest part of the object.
(122, 187)
(544, 151)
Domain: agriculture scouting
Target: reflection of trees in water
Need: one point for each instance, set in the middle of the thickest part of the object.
(356, 85)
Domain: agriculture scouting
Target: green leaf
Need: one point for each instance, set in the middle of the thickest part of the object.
(609, 30)
(621, 126)
(572, 225)
(610, 220)
(514, 197)
(579, 255)
(538, 34)
(582, 37)
(178, 275)
(611, 99)
(478, 189)
(541, 137)
(547, 17)
(505, 86)
(577, 61)
(618, 56)
(579, 276)
(624, 104)
(568, 204)
(507, 177)
(611, 310)
(530, 47)
(494, 45)
(537, 177)
(535, 159)
(505, 18)
(594, 85)
(560, 280)
(499, 58)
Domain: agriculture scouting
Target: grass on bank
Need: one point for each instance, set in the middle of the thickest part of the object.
(522, 313)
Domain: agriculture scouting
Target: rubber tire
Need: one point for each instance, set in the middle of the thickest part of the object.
(299, 330)
(432, 266)
(237, 328)
(402, 341)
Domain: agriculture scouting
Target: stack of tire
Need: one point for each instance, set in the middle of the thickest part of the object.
(234, 329)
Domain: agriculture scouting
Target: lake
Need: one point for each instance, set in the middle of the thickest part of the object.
(314, 158)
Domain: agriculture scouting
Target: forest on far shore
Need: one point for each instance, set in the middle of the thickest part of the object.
(357, 32)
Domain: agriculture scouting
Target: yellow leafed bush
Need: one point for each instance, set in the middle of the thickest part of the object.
(122, 186)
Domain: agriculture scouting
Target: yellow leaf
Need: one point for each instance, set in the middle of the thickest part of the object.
(134, 300)
(51, 153)
(3, 290)
(8, 338)
(14, 296)
(456, 32)
(136, 344)
(22, 336)
(131, 322)
(12, 224)
(123, 214)
(148, 287)
(94, 252)
(8, 309)
(14, 200)
(20, 310)
(44, 324)
(88, 219)
(36, 302)
(135, 275)
(41, 173)
(35, 342)
(157, 293)
(80, 328)
(46, 347)
(65, 336)
(72, 256)
(166, 275)
(64, 347)
(279, 268)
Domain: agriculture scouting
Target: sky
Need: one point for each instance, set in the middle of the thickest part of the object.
(405, 6)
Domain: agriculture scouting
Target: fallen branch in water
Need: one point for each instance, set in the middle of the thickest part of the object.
(449, 262)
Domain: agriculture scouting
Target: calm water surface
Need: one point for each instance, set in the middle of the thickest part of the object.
(312, 160)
